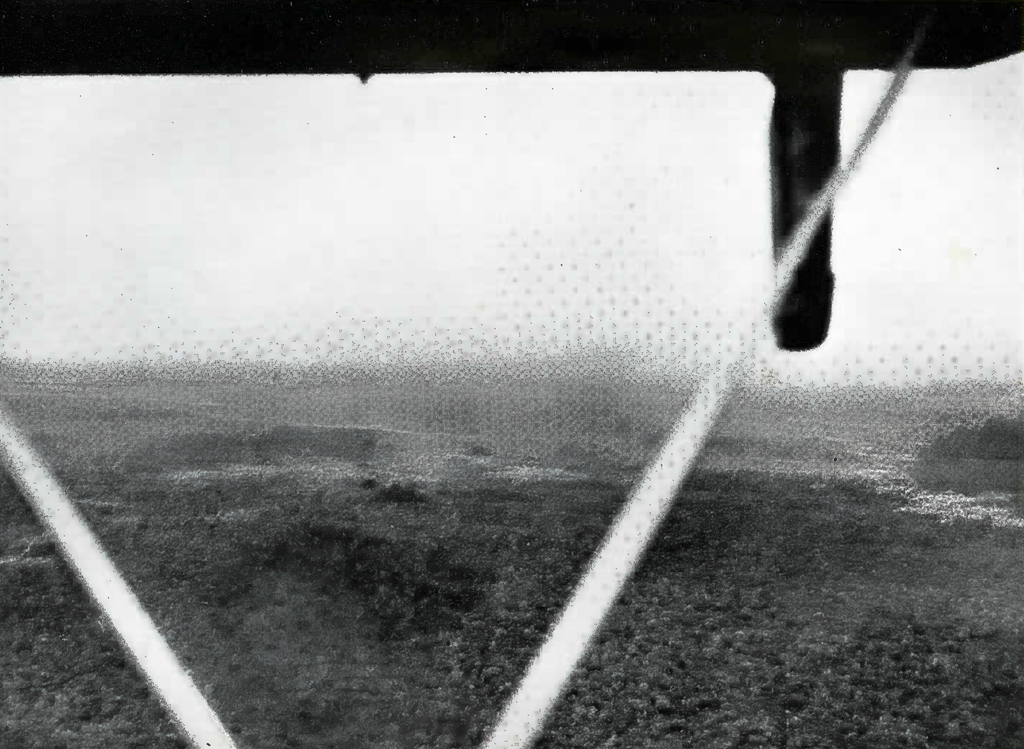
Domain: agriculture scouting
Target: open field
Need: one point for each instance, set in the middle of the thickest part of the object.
(342, 569)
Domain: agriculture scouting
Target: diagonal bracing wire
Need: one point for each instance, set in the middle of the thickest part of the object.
(136, 631)
(651, 500)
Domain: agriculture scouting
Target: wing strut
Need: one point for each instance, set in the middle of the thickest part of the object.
(804, 151)
(108, 589)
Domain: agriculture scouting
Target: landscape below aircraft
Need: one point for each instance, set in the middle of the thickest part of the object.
(802, 47)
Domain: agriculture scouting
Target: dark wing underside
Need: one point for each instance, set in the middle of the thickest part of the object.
(368, 37)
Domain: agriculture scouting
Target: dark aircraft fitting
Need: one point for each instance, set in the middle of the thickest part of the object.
(804, 146)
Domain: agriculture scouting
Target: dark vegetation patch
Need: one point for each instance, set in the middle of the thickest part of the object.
(207, 450)
(401, 493)
(998, 438)
(975, 459)
(66, 681)
(408, 588)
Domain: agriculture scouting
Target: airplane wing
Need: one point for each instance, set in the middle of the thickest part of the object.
(368, 37)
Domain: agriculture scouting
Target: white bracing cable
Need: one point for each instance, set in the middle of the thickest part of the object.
(136, 631)
(649, 503)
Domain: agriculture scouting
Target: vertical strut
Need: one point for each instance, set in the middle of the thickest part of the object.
(804, 145)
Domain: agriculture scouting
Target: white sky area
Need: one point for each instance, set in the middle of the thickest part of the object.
(294, 218)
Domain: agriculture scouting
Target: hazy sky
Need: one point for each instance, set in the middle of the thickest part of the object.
(302, 217)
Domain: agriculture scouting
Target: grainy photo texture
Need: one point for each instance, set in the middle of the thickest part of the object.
(511, 375)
